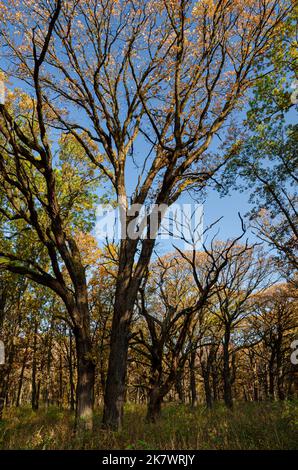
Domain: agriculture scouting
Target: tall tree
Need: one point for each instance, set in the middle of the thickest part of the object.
(45, 201)
(167, 74)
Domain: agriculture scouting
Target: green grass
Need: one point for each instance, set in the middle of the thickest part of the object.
(249, 426)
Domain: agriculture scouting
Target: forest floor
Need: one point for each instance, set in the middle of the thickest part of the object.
(249, 426)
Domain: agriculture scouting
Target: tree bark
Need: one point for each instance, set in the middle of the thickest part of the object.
(214, 382)
(227, 371)
(85, 381)
(208, 372)
(271, 373)
(125, 297)
(115, 382)
(207, 389)
(279, 368)
(35, 391)
(180, 388)
(154, 404)
(60, 395)
(24, 364)
(193, 382)
(71, 380)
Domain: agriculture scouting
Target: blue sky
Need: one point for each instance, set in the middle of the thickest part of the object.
(215, 206)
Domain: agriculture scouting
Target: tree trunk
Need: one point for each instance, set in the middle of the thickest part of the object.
(207, 389)
(125, 298)
(60, 396)
(2, 403)
(34, 394)
(79, 312)
(48, 365)
(265, 382)
(227, 371)
(279, 370)
(154, 404)
(71, 381)
(207, 370)
(180, 388)
(193, 383)
(5, 371)
(24, 363)
(256, 382)
(3, 388)
(271, 373)
(85, 382)
(115, 382)
(214, 382)
(193, 389)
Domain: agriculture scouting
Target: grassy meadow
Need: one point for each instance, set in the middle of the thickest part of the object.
(249, 426)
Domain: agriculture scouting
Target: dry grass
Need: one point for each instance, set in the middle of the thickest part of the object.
(249, 426)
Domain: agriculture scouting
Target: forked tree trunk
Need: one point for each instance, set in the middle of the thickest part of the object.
(125, 298)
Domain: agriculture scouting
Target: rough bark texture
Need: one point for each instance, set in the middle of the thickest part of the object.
(154, 404)
(227, 379)
(125, 298)
(115, 382)
(86, 379)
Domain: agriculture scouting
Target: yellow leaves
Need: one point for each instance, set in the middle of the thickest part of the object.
(186, 183)
(71, 145)
(18, 16)
(294, 51)
(25, 103)
(3, 12)
(205, 7)
(89, 249)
